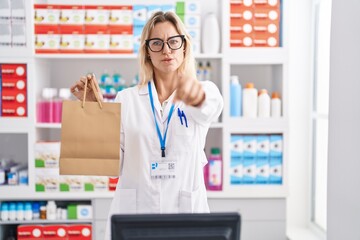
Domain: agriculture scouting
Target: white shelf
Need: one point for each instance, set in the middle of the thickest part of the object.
(48, 125)
(15, 52)
(250, 191)
(40, 221)
(249, 56)
(15, 125)
(257, 125)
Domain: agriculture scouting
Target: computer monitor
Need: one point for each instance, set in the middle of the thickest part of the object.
(197, 226)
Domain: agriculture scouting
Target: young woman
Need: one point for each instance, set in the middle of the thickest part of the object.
(164, 125)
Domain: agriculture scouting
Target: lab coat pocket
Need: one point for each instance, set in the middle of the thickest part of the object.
(187, 201)
(125, 201)
(184, 128)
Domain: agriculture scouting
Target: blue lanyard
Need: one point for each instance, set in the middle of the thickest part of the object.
(161, 139)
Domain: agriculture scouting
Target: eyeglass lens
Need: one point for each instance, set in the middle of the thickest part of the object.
(174, 43)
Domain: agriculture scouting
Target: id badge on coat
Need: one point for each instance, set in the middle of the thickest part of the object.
(163, 169)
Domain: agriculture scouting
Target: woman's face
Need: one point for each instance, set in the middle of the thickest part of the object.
(167, 60)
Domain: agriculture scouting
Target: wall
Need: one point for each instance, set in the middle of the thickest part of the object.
(344, 119)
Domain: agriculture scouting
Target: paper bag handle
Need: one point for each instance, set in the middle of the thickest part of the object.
(95, 92)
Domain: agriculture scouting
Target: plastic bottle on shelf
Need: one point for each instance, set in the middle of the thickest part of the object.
(64, 94)
(275, 105)
(250, 97)
(263, 104)
(12, 211)
(200, 72)
(36, 210)
(51, 210)
(235, 96)
(215, 170)
(210, 35)
(19, 211)
(45, 107)
(42, 212)
(104, 78)
(4, 211)
(28, 214)
(207, 71)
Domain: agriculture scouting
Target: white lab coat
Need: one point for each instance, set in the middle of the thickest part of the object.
(136, 191)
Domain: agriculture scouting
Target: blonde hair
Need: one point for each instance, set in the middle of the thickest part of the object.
(146, 68)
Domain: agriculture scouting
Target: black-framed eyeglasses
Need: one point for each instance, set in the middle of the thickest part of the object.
(157, 44)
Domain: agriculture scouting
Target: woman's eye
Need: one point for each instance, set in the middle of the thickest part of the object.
(157, 43)
(173, 41)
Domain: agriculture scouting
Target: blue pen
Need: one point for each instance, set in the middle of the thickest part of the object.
(180, 116)
(183, 115)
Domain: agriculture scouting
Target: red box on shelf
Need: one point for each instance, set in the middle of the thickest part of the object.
(13, 90)
(112, 183)
(79, 232)
(55, 232)
(30, 232)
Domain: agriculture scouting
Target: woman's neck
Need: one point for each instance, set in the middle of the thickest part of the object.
(165, 85)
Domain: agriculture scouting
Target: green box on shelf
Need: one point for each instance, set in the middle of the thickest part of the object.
(39, 188)
(180, 8)
(64, 187)
(39, 163)
(89, 187)
(72, 211)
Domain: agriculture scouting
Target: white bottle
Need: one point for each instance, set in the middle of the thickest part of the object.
(20, 211)
(51, 210)
(28, 211)
(210, 38)
(250, 97)
(263, 104)
(4, 211)
(275, 105)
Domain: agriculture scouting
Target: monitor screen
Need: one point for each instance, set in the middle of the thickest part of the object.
(197, 226)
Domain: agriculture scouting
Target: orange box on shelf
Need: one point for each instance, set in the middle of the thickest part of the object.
(96, 41)
(79, 232)
(266, 4)
(120, 42)
(71, 18)
(47, 40)
(72, 41)
(30, 232)
(46, 14)
(121, 18)
(240, 39)
(265, 39)
(13, 71)
(240, 6)
(267, 15)
(96, 18)
(55, 232)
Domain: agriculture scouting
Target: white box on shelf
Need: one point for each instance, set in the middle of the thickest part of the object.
(84, 212)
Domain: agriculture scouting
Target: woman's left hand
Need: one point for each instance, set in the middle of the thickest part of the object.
(190, 91)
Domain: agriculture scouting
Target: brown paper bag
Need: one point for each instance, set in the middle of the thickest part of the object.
(90, 138)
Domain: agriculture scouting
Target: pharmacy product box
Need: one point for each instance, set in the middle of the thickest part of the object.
(275, 170)
(262, 170)
(84, 212)
(18, 10)
(72, 18)
(47, 180)
(72, 41)
(191, 21)
(55, 232)
(137, 38)
(79, 232)
(168, 8)
(5, 10)
(188, 7)
(236, 170)
(249, 170)
(71, 211)
(151, 9)
(18, 34)
(267, 4)
(276, 145)
(113, 183)
(95, 183)
(249, 146)
(47, 41)
(194, 33)
(97, 15)
(13, 90)
(237, 147)
(121, 16)
(46, 14)
(265, 40)
(121, 42)
(71, 183)
(47, 154)
(139, 15)
(96, 41)
(239, 39)
(263, 145)
(5, 34)
(30, 232)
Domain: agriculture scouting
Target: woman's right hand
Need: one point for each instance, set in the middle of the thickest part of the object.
(78, 88)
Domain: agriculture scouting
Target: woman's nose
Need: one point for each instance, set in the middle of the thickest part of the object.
(166, 48)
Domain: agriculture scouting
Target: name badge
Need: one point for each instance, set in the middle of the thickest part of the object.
(163, 169)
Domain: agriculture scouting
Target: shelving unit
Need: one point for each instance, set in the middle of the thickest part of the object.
(61, 70)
